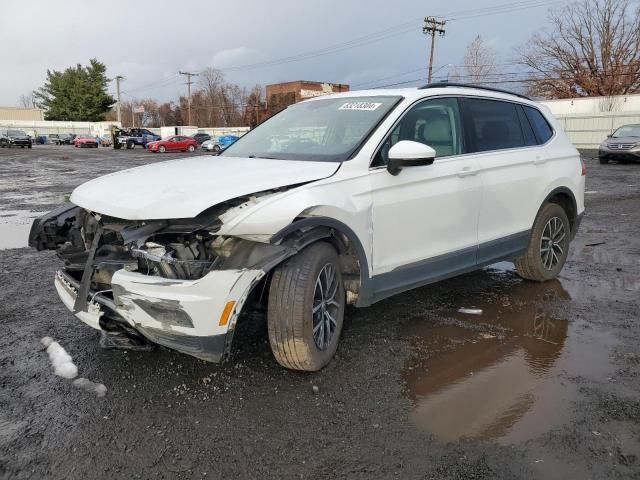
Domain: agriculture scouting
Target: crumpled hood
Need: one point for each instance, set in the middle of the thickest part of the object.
(184, 188)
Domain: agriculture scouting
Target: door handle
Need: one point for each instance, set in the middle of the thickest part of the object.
(467, 172)
(539, 160)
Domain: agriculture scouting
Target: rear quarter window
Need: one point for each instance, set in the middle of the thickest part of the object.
(539, 124)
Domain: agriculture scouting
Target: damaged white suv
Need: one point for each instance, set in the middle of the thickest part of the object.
(343, 199)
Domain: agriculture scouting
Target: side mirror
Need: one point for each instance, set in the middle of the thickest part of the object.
(407, 153)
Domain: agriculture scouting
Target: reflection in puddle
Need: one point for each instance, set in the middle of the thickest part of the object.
(502, 375)
(15, 226)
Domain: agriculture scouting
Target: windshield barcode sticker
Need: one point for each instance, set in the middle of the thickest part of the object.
(369, 106)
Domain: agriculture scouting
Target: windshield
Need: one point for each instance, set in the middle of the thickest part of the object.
(627, 131)
(17, 133)
(328, 130)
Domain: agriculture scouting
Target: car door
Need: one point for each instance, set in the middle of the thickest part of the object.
(509, 161)
(425, 219)
(174, 144)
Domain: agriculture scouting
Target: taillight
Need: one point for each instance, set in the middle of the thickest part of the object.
(584, 168)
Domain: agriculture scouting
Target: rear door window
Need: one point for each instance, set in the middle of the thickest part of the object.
(539, 124)
(492, 125)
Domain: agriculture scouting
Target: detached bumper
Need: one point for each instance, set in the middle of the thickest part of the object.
(185, 315)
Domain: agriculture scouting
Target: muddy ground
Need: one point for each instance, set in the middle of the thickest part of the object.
(544, 382)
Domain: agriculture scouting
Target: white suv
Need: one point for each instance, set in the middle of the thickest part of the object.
(343, 199)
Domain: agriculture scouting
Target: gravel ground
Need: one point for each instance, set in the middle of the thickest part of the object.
(533, 381)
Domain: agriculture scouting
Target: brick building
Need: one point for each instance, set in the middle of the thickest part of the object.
(281, 95)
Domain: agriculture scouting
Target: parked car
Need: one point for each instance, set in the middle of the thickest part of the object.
(129, 138)
(88, 141)
(201, 137)
(54, 138)
(622, 145)
(15, 138)
(220, 143)
(373, 193)
(106, 141)
(177, 143)
(67, 139)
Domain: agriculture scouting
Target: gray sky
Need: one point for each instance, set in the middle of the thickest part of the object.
(149, 42)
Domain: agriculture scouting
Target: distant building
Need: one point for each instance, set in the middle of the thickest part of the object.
(281, 95)
(15, 113)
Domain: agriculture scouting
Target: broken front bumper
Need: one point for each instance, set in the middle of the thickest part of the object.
(196, 317)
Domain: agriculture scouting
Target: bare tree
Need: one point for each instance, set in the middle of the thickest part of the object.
(593, 49)
(27, 101)
(479, 63)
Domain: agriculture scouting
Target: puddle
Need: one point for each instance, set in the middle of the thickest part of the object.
(14, 227)
(501, 375)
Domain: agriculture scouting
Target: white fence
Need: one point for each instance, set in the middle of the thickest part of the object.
(589, 130)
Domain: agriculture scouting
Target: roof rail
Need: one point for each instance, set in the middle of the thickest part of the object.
(468, 85)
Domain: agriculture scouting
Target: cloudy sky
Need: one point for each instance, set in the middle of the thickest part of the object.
(363, 43)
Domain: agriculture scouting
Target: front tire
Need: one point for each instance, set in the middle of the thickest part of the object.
(306, 309)
(548, 245)
(216, 148)
(603, 161)
(162, 149)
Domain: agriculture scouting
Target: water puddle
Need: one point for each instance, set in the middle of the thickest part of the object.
(14, 227)
(503, 374)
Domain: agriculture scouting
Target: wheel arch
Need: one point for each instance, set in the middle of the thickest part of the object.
(564, 197)
(303, 232)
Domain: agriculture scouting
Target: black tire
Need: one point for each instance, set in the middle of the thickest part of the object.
(537, 263)
(191, 149)
(216, 148)
(130, 145)
(604, 161)
(162, 149)
(29, 146)
(292, 296)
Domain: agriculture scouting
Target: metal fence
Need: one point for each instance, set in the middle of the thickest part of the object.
(587, 131)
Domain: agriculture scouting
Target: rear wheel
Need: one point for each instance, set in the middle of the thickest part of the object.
(306, 309)
(191, 148)
(548, 245)
(216, 148)
(130, 145)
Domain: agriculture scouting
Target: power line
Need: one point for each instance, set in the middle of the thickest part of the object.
(188, 75)
(432, 26)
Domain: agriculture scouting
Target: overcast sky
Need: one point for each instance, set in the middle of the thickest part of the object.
(148, 42)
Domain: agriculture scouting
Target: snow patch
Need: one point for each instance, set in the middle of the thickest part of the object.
(61, 361)
(87, 385)
(471, 311)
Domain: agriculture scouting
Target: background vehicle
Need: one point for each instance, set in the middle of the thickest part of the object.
(177, 143)
(220, 143)
(54, 138)
(622, 145)
(82, 141)
(373, 193)
(201, 137)
(67, 138)
(15, 138)
(106, 141)
(129, 138)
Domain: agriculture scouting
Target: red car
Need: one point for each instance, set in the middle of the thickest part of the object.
(85, 141)
(178, 142)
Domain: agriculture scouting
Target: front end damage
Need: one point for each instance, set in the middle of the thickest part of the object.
(174, 283)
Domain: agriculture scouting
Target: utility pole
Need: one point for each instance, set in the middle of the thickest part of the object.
(189, 75)
(118, 78)
(432, 26)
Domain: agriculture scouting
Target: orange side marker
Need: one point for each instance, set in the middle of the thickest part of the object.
(226, 313)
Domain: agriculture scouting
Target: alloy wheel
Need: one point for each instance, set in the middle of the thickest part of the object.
(325, 307)
(552, 243)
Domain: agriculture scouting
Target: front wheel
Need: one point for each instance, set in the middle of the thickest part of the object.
(216, 148)
(604, 161)
(306, 309)
(548, 245)
(162, 149)
(130, 145)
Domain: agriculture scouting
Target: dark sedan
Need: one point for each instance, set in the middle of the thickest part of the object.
(623, 145)
(15, 138)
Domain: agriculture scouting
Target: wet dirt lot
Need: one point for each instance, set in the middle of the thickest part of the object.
(482, 376)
